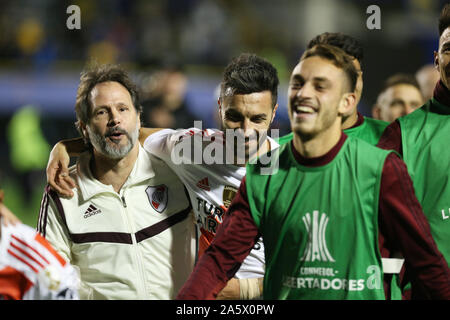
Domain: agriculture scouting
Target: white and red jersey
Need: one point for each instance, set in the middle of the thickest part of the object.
(30, 269)
(211, 187)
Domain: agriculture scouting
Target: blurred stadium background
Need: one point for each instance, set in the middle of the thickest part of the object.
(176, 51)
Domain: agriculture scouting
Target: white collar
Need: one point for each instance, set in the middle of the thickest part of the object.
(90, 186)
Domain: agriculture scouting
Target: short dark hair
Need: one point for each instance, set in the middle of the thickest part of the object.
(350, 45)
(94, 75)
(338, 57)
(401, 78)
(247, 74)
(444, 19)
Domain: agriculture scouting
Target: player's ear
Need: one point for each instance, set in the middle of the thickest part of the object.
(347, 103)
(220, 102)
(139, 120)
(83, 130)
(376, 112)
(436, 60)
(274, 111)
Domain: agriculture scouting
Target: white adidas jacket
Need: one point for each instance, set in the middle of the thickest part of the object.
(139, 244)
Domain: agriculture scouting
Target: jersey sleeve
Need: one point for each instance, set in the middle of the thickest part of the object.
(13, 284)
(184, 146)
(391, 139)
(161, 143)
(405, 229)
(51, 224)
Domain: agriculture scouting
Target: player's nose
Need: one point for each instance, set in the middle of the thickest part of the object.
(114, 118)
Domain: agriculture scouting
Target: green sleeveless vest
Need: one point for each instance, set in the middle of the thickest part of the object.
(286, 138)
(370, 131)
(426, 152)
(320, 224)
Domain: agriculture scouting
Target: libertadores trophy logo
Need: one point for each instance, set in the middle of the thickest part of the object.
(316, 249)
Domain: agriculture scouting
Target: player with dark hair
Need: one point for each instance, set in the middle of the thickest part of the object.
(354, 123)
(128, 227)
(83, 104)
(321, 212)
(399, 96)
(422, 139)
(247, 107)
(248, 73)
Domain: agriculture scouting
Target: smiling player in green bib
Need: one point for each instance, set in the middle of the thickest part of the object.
(354, 123)
(422, 138)
(323, 210)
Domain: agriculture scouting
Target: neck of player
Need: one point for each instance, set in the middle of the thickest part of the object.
(113, 171)
(319, 144)
(265, 147)
(350, 121)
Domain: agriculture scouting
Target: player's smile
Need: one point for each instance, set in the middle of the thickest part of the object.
(303, 110)
(314, 93)
(248, 115)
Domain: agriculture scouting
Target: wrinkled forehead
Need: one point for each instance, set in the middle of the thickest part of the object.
(109, 91)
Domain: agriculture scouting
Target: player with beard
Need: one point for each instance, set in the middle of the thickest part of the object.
(247, 107)
(422, 138)
(321, 212)
(128, 226)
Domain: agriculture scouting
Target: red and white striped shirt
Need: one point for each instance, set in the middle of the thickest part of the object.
(30, 269)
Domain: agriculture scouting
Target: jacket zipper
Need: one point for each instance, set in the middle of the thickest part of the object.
(142, 282)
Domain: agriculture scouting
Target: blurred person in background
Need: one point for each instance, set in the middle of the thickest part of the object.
(427, 77)
(28, 148)
(166, 105)
(400, 96)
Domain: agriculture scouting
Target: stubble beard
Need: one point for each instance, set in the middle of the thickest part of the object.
(109, 148)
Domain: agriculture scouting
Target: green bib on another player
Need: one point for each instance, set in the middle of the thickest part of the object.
(370, 131)
(426, 152)
(320, 224)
